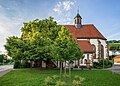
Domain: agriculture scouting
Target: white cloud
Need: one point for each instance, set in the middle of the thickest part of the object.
(62, 11)
(60, 7)
(67, 5)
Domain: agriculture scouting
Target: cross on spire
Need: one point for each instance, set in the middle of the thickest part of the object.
(78, 10)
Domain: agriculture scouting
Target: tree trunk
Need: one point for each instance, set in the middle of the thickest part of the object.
(60, 71)
(65, 71)
(70, 71)
(40, 63)
(78, 63)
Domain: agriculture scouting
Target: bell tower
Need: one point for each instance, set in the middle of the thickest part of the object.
(78, 20)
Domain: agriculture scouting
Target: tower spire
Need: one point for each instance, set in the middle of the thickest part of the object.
(78, 10)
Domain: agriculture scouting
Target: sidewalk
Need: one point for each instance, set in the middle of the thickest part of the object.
(114, 69)
(4, 69)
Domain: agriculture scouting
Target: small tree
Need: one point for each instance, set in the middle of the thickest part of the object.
(66, 49)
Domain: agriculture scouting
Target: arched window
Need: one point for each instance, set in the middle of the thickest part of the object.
(106, 47)
(78, 20)
(75, 21)
(94, 54)
(102, 51)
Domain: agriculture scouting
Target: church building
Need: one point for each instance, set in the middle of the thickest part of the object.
(91, 41)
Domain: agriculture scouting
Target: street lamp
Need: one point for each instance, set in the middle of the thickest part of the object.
(103, 62)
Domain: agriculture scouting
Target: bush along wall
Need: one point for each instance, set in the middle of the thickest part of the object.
(99, 65)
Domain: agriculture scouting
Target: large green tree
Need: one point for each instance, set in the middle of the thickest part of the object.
(35, 41)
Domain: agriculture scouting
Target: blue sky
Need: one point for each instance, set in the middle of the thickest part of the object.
(104, 14)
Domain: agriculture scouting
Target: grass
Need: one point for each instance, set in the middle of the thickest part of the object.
(35, 77)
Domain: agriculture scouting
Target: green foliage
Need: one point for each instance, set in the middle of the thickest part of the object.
(111, 57)
(113, 41)
(60, 83)
(65, 47)
(23, 64)
(54, 80)
(78, 80)
(35, 41)
(55, 77)
(114, 46)
(15, 48)
(48, 81)
(99, 65)
(17, 64)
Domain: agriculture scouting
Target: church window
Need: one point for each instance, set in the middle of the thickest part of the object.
(94, 54)
(78, 21)
(102, 51)
(75, 21)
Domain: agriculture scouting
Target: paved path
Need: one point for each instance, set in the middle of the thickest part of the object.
(5, 69)
(115, 69)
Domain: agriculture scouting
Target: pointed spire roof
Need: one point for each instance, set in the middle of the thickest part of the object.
(78, 15)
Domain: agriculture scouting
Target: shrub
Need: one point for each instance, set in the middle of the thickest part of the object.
(17, 64)
(67, 76)
(60, 83)
(55, 77)
(25, 64)
(96, 64)
(48, 81)
(78, 80)
(99, 64)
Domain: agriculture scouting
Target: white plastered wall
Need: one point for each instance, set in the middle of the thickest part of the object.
(103, 42)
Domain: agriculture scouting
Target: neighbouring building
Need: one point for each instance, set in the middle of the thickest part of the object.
(117, 60)
(114, 52)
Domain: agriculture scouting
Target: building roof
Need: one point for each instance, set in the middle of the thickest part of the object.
(118, 56)
(85, 46)
(88, 31)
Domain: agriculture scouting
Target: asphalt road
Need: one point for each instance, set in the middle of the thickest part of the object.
(115, 69)
(5, 69)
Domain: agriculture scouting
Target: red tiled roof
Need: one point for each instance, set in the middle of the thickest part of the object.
(85, 46)
(85, 32)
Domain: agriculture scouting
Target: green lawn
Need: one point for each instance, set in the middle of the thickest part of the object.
(35, 77)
